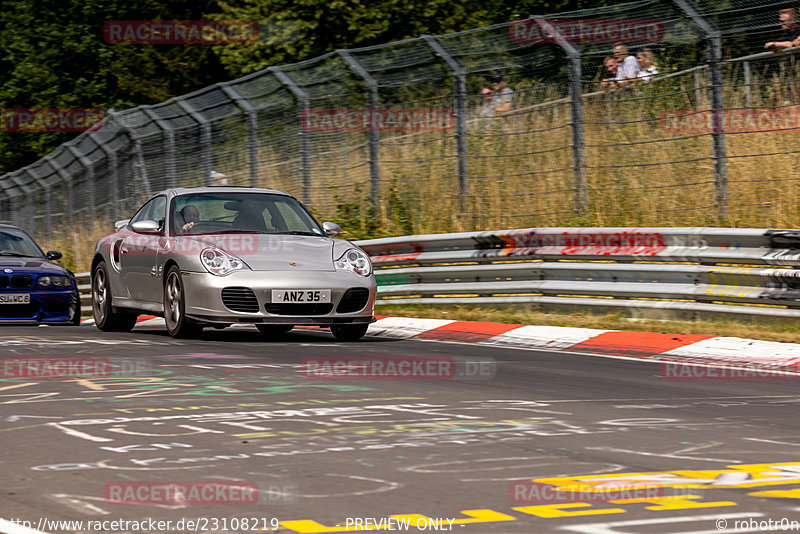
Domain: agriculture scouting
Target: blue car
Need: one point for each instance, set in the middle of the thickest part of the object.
(33, 289)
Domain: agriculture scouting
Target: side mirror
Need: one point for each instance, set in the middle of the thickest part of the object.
(331, 229)
(121, 224)
(145, 227)
(53, 255)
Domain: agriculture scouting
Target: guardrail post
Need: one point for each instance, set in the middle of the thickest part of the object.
(205, 126)
(713, 36)
(373, 136)
(305, 141)
(252, 128)
(460, 109)
(169, 143)
(576, 109)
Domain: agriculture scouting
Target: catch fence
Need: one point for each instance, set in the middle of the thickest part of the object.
(398, 139)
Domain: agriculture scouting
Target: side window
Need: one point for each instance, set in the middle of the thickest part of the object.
(141, 215)
(155, 209)
(158, 211)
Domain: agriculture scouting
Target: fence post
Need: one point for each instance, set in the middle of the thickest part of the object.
(713, 36)
(460, 108)
(67, 179)
(576, 110)
(748, 90)
(305, 141)
(87, 165)
(252, 128)
(169, 143)
(698, 89)
(205, 126)
(373, 136)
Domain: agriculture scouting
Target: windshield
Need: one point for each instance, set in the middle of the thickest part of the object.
(15, 242)
(213, 213)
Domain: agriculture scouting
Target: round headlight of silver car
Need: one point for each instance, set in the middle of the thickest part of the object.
(355, 260)
(221, 263)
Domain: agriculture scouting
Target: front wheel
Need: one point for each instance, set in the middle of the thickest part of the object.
(178, 325)
(105, 318)
(349, 332)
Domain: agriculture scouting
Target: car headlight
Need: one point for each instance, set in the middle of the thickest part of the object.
(54, 281)
(355, 260)
(221, 263)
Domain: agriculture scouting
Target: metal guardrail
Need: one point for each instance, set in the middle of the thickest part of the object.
(695, 270)
(739, 271)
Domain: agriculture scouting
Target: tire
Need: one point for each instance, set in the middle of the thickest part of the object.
(349, 332)
(178, 325)
(76, 319)
(105, 317)
(274, 330)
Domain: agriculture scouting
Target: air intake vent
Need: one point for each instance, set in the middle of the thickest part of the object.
(3, 282)
(240, 299)
(299, 309)
(353, 300)
(21, 281)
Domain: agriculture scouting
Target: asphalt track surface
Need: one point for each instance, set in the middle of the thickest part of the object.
(322, 452)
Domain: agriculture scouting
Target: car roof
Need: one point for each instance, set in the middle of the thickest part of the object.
(222, 189)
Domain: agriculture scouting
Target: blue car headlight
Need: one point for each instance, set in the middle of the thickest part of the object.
(354, 260)
(54, 281)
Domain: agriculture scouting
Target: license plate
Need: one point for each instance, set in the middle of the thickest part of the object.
(301, 295)
(15, 299)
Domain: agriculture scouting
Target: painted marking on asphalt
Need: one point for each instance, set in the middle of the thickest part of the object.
(468, 331)
(549, 337)
(625, 343)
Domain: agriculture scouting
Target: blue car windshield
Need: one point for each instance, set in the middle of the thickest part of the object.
(15, 242)
(262, 213)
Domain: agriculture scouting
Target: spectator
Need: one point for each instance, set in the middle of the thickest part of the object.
(610, 63)
(627, 65)
(647, 64)
(503, 100)
(790, 31)
(486, 107)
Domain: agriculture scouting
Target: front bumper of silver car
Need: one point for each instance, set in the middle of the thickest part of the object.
(246, 297)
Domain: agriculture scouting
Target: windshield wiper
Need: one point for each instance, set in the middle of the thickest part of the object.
(16, 254)
(298, 232)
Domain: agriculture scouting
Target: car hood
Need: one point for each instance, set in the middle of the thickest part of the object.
(30, 265)
(263, 252)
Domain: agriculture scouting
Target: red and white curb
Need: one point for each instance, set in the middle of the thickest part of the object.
(687, 348)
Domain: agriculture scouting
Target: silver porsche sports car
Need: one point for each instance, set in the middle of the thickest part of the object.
(215, 256)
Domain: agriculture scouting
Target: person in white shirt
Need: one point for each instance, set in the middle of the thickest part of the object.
(647, 64)
(627, 65)
(486, 107)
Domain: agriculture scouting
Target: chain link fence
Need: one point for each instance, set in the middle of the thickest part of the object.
(398, 138)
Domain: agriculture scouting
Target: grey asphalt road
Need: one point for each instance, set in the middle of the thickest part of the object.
(234, 432)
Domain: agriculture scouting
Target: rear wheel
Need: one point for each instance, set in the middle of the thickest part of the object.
(274, 330)
(105, 317)
(178, 325)
(349, 332)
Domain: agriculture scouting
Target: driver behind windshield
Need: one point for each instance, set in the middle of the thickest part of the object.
(191, 216)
